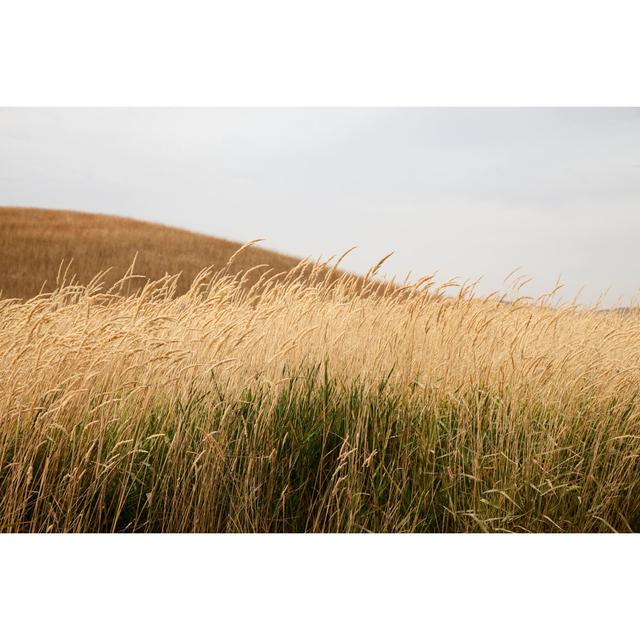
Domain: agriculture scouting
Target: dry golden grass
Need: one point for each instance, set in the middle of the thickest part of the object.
(35, 242)
(297, 407)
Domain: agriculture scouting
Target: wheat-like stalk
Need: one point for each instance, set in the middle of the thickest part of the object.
(308, 402)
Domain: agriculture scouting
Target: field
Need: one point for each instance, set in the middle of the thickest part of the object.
(34, 243)
(314, 402)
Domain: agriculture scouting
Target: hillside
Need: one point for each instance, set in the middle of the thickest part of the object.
(34, 242)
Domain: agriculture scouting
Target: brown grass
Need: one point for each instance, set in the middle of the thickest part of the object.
(289, 407)
(35, 242)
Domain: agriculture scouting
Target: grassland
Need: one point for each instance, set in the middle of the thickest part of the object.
(314, 402)
(34, 243)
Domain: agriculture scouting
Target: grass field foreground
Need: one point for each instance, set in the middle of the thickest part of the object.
(333, 406)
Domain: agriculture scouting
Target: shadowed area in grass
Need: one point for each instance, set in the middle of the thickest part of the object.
(320, 456)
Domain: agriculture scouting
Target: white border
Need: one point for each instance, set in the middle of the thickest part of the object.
(334, 52)
(319, 586)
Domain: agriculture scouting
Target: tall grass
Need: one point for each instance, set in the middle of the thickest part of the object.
(315, 402)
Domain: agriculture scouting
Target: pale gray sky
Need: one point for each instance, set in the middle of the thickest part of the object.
(467, 192)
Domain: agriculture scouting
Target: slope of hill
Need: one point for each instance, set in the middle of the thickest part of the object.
(34, 242)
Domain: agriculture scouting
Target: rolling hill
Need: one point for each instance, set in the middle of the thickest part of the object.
(34, 243)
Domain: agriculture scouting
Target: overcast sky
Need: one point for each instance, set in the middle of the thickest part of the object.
(466, 192)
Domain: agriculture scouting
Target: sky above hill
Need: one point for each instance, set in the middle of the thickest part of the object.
(465, 192)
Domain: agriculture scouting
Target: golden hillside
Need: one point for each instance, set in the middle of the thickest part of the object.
(34, 243)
